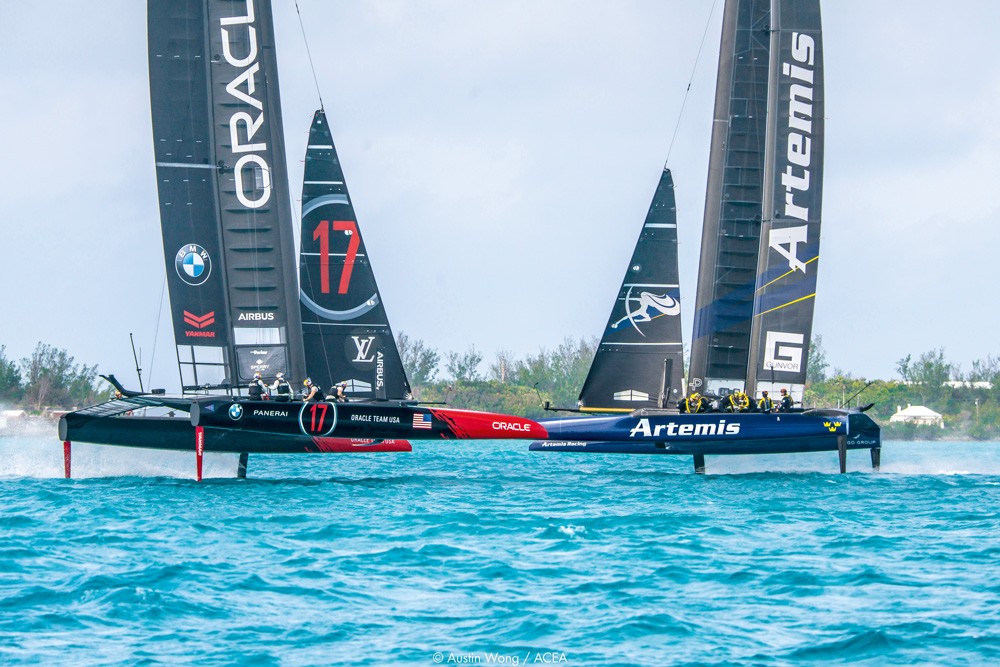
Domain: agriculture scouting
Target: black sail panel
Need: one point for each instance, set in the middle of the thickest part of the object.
(224, 204)
(639, 362)
(345, 327)
(786, 275)
(187, 181)
(733, 203)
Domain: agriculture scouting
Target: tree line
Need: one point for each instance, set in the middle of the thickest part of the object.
(522, 385)
(969, 401)
(48, 378)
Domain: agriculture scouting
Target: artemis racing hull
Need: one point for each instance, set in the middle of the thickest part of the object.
(713, 433)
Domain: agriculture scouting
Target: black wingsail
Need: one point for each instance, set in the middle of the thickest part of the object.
(731, 234)
(345, 328)
(789, 260)
(224, 205)
(639, 362)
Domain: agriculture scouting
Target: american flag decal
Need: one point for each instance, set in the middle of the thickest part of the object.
(420, 420)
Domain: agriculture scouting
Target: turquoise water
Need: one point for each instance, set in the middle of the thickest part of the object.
(481, 553)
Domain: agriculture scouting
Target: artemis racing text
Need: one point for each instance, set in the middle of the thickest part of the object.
(646, 430)
(796, 178)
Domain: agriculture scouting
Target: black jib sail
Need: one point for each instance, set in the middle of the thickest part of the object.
(224, 203)
(639, 362)
(731, 233)
(789, 259)
(346, 331)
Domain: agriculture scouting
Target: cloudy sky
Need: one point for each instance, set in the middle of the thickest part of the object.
(501, 156)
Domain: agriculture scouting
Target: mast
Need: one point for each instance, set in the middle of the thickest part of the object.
(346, 331)
(789, 259)
(733, 202)
(225, 210)
(639, 362)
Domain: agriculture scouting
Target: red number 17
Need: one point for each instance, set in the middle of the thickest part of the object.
(322, 234)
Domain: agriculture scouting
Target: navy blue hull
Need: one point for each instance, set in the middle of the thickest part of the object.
(713, 433)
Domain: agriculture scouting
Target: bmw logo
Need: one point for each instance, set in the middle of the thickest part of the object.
(235, 411)
(193, 264)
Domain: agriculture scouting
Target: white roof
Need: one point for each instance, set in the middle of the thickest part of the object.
(918, 411)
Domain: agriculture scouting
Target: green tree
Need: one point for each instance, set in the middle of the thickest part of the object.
(464, 367)
(816, 363)
(420, 361)
(559, 374)
(51, 378)
(10, 378)
(986, 370)
(928, 375)
(502, 369)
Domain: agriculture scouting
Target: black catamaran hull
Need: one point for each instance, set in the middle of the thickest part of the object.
(258, 427)
(178, 434)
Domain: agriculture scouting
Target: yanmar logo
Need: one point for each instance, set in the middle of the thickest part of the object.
(243, 127)
(199, 322)
(671, 429)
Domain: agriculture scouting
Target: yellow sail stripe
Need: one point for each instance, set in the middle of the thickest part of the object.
(784, 305)
(788, 273)
(622, 410)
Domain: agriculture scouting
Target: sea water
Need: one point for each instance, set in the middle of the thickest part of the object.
(484, 553)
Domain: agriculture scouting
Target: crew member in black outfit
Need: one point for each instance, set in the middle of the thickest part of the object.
(765, 404)
(339, 390)
(282, 390)
(312, 392)
(786, 402)
(258, 390)
(693, 403)
(738, 402)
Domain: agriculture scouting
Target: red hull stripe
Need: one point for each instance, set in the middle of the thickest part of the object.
(489, 426)
(360, 445)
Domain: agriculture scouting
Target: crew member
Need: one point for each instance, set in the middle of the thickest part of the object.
(693, 403)
(312, 391)
(339, 390)
(786, 402)
(738, 402)
(258, 390)
(281, 389)
(765, 404)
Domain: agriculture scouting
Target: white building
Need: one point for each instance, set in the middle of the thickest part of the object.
(917, 414)
(10, 417)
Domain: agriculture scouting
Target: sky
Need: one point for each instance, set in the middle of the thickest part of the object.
(501, 158)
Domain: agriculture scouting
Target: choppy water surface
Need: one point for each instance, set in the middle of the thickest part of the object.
(481, 553)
